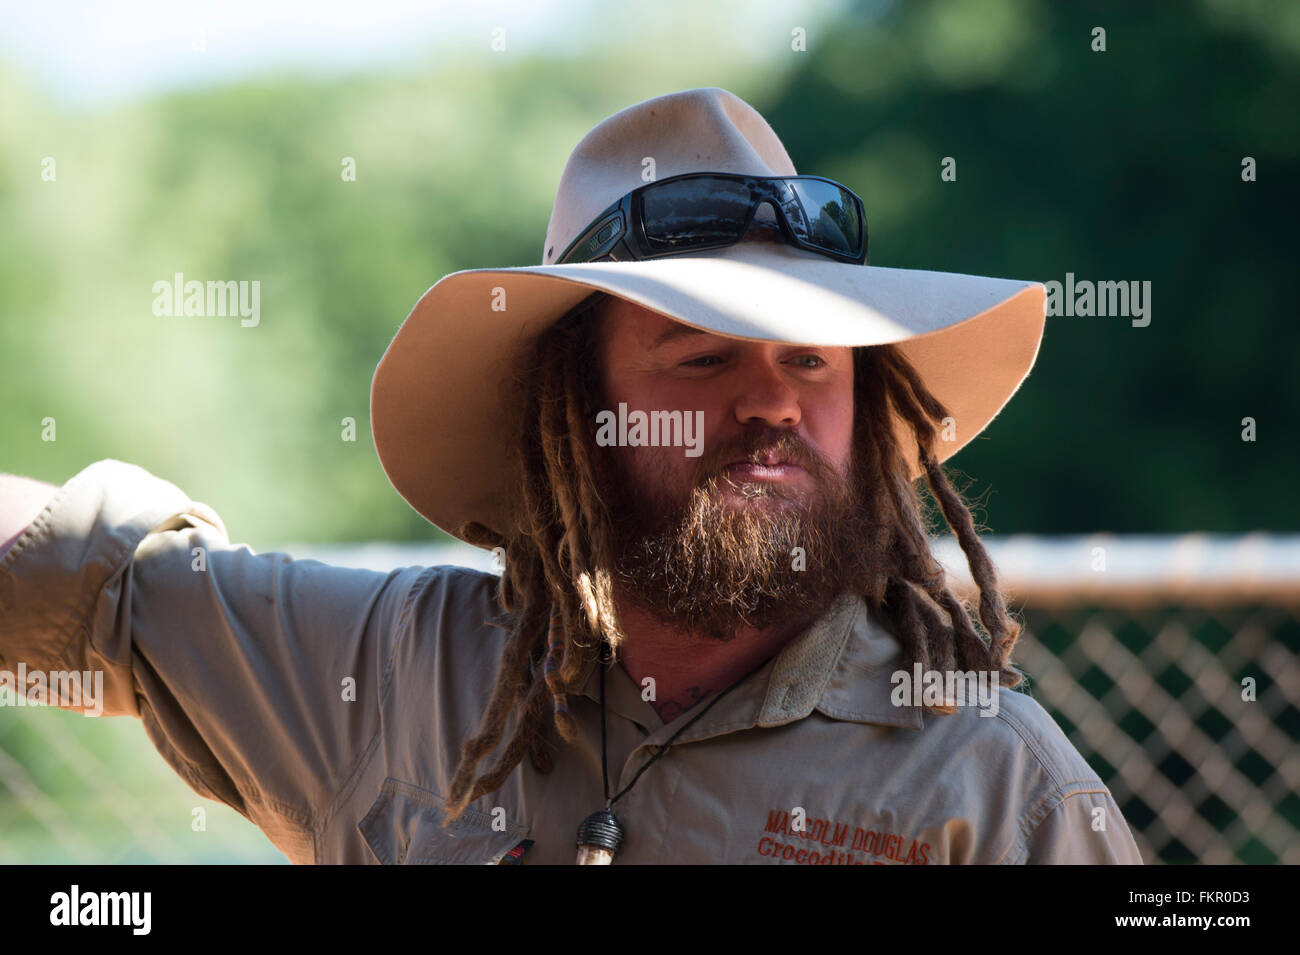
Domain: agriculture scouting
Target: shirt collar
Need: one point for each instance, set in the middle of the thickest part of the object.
(840, 666)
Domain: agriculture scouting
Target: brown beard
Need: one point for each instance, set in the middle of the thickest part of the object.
(706, 566)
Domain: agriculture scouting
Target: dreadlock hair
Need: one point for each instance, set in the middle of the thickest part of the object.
(557, 586)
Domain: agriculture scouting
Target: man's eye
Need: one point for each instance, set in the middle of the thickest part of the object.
(703, 361)
(813, 361)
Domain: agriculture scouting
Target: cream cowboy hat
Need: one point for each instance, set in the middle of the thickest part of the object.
(444, 429)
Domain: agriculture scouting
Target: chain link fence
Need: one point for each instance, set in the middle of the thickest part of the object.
(1170, 663)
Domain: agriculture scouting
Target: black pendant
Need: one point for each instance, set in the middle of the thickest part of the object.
(599, 838)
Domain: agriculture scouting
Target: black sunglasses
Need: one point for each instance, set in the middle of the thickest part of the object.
(711, 210)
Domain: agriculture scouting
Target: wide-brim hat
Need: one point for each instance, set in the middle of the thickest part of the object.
(443, 408)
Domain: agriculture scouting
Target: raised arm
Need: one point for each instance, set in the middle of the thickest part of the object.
(258, 678)
(21, 499)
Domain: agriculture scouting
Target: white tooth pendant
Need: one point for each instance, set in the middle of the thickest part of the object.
(599, 838)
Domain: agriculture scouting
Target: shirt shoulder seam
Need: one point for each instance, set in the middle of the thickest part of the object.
(1051, 767)
(400, 626)
(1029, 822)
(74, 619)
(403, 626)
(1060, 790)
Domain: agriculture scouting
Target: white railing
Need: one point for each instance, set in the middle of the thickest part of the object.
(1198, 569)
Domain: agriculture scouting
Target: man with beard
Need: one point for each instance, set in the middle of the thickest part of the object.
(726, 634)
(705, 549)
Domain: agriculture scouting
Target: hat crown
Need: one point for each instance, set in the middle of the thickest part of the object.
(699, 130)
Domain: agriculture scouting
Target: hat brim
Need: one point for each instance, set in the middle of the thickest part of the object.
(442, 412)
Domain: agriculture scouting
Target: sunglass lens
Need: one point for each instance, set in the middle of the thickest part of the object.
(830, 216)
(693, 213)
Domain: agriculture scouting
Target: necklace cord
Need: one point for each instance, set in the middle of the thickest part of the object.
(604, 756)
(604, 750)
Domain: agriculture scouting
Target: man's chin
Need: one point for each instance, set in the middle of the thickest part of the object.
(740, 495)
(738, 552)
(718, 623)
(724, 621)
(755, 564)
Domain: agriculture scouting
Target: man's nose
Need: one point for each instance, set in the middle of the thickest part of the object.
(766, 396)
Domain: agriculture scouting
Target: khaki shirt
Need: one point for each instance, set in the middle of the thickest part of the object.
(328, 705)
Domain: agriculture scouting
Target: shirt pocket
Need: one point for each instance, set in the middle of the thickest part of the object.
(404, 827)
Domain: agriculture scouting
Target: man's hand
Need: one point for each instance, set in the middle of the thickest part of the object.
(21, 499)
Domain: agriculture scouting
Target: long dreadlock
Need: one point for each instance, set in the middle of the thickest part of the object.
(557, 586)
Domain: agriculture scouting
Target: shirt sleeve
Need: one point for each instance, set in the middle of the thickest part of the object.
(1081, 827)
(257, 677)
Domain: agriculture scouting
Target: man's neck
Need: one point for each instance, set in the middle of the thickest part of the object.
(688, 668)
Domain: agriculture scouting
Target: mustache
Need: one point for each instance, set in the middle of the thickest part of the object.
(756, 445)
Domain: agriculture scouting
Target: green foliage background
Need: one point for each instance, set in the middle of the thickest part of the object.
(1122, 165)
